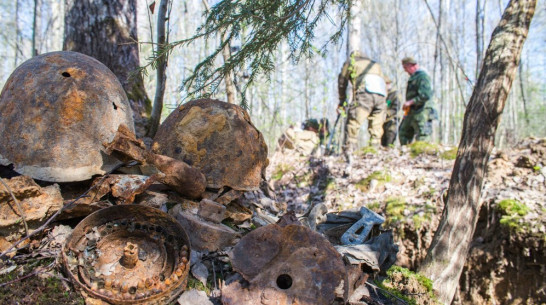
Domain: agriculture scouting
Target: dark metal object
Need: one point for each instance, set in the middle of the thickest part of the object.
(56, 111)
(286, 265)
(217, 138)
(129, 254)
(364, 226)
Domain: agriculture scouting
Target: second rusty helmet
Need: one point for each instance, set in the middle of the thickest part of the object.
(219, 139)
(57, 110)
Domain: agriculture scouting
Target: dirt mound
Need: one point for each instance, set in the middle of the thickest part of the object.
(407, 185)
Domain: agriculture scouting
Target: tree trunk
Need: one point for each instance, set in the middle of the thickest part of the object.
(447, 253)
(107, 31)
(480, 15)
(161, 76)
(228, 79)
(354, 27)
(34, 51)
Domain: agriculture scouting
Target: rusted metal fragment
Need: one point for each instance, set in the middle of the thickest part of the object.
(128, 254)
(285, 265)
(183, 178)
(205, 235)
(122, 187)
(37, 205)
(211, 211)
(57, 110)
(82, 209)
(219, 139)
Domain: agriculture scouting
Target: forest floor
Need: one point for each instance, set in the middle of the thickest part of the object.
(406, 185)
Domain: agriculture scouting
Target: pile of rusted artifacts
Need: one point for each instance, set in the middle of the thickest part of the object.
(152, 214)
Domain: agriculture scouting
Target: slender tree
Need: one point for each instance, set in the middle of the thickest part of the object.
(448, 251)
(161, 75)
(107, 31)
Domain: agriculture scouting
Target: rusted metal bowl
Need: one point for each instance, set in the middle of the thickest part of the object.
(129, 254)
(56, 111)
(219, 139)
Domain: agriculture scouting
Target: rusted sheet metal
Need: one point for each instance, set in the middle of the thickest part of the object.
(219, 139)
(57, 110)
(123, 187)
(129, 254)
(285, 265)
(183, 178)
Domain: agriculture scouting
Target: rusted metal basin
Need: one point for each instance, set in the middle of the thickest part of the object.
(129, 254)
(56, 111)
(219, 139)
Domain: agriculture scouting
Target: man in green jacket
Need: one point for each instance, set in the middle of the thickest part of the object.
(390, 127)
(369, 91)
(418, 105)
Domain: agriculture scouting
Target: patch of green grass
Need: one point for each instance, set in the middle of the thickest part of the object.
(537, 168)
(449, 154)
(421, 147)
(382, 177)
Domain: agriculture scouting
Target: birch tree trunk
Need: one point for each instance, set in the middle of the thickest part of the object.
(354, 27)
(447, 253)
(107, 31)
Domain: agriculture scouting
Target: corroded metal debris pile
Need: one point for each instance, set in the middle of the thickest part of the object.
(65, 118)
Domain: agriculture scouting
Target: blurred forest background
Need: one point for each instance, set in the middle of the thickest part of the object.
(447, 37)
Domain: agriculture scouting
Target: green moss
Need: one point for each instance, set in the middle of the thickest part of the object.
(512, 207)
(382, 177)
(397, 280)
(449, 154)
(420, 147)
(374, 206)
(537, 168)
(394, 209)
(368, 150)
(513, 212)
(281, 170)
(194, 283)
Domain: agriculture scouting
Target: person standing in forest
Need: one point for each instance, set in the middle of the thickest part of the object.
(390, 127)
(369, 92)
(418, 106)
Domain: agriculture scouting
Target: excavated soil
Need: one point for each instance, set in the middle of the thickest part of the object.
(507, 261)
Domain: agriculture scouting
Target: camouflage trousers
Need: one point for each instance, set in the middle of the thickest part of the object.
(369, 106)
(415, 124)
(389, 132)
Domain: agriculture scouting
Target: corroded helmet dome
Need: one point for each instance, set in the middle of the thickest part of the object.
(56, 111)
(219, 139)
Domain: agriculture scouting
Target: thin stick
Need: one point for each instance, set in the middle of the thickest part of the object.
(17, 204)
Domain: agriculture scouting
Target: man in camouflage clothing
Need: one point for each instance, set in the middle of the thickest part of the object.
(369, 91)
(390, 127)
(418, 105)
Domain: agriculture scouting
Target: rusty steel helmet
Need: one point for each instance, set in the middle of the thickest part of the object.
(56, 111)
(219, 139)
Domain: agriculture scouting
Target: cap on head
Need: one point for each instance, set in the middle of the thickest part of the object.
(409, 61)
